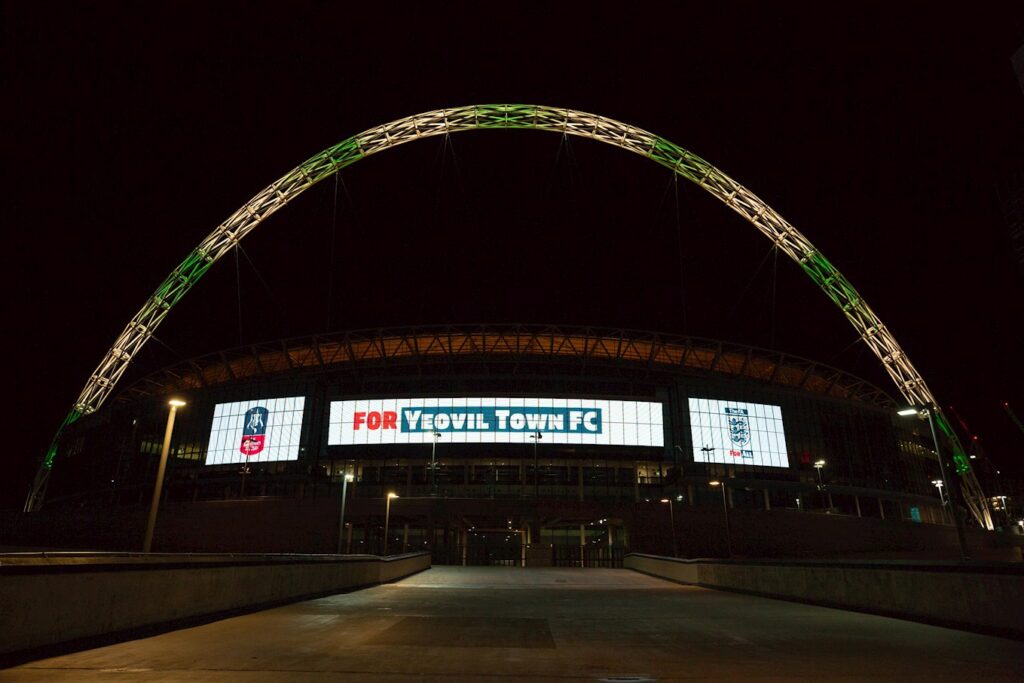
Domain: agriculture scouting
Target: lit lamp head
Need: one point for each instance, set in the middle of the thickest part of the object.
(714, 482)
(665, 500)
(937, 483)
(176, 403)
(910, 411)
(818, 464)
(392, 494)
(350, 477)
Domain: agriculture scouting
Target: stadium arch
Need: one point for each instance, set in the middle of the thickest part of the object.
(277, 195)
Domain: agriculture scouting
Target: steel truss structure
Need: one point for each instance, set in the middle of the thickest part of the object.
(527, 117)
(586, 347)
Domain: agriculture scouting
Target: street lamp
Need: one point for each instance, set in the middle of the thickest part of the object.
(725, 505)
(387, 519)
(672, 519)
(341, 516)
(536, 436)
(937, 483)
(174, 403)
(1002, 504)
(433, 464)
(818, 465)
(925, 413)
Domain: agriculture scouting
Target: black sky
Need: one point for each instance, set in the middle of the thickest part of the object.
(880, 132)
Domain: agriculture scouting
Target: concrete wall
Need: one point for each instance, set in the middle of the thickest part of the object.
(275, 525)
(985, 597)
(46, 600)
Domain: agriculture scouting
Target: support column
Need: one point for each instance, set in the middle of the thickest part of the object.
(522, 547)
(405, 537)
(856, 503)
(636, 483)
(881, 509)
(348, 539)
(611, 536)
(690, 494)
(464, 536)
(767, 500)
(579, 480)
(408, 480)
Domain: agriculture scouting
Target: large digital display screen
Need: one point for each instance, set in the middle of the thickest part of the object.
(496, 420)
(260, 430)
(736, 433)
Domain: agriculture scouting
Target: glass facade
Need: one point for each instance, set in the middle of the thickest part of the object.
(587, 499)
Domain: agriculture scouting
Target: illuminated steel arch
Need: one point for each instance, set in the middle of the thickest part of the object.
(512, 116)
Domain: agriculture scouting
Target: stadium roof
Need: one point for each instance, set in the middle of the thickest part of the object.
(421, 345)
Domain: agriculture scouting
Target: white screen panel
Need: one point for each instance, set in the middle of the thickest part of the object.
(260, 430)
(730, 432)
(496, 420)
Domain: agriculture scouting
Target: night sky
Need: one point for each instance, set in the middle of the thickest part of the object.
(882, 134)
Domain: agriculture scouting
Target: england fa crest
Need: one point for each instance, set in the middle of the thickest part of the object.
(739, 432)
(254, 431)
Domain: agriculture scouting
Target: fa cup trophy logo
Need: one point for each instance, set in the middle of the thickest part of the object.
(254, 431)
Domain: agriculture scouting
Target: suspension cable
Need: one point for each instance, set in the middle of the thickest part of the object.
(682, 257)
(238, 287)
(330, 268)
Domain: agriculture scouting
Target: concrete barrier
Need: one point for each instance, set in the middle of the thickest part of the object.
(52, 598)
(986, 597)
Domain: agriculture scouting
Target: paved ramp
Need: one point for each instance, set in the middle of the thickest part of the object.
(503, 624)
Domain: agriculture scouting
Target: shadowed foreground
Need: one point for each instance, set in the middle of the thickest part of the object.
(465, 623)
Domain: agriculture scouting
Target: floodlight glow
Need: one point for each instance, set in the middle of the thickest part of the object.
(176, 402)
(714, 482)
(907, 411)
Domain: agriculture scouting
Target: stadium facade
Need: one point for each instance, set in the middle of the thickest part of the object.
(541, 436)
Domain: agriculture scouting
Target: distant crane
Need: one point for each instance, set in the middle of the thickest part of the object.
(973, 445)
(1016, 420)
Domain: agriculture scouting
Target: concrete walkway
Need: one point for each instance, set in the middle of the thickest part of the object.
(471, 624)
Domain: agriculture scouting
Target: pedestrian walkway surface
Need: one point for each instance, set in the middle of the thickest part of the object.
(504, 624)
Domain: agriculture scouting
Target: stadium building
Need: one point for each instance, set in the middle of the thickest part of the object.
(506, 444)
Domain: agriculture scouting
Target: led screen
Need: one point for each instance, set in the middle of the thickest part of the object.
(737, 433)
(260, 430)
(496, 420)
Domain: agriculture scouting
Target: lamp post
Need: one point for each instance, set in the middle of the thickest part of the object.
(819, 465)
(387, 518)
(147, 543)
(678, 464)
(433, 464)
(925, 413)
(1002, 504)
(725, 505)
(937, 483)
(672, 519)
(536, 436)
(341, 516)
